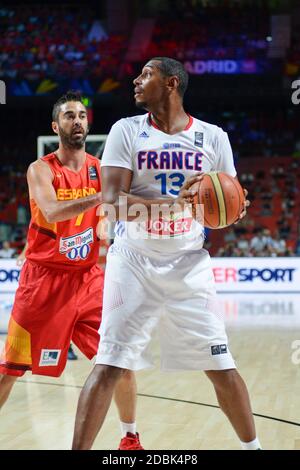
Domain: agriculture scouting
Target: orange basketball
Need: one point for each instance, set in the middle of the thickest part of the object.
(221, 198)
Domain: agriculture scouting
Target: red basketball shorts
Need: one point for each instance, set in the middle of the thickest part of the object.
(51, 308)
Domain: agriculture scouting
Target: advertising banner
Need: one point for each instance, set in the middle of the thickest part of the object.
(231, 275)
(9, 276)
(257, 274)
(226, 66)
(243, 278)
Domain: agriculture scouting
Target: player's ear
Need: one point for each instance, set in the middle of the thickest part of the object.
(54, 125)
(173, 83)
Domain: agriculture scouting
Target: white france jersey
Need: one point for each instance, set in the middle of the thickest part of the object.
(160, 164)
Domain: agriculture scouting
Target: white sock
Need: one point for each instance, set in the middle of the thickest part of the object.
(252, 445)
(127, 427)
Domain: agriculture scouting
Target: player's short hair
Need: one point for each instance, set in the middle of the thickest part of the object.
(71, 95)
(169, 67)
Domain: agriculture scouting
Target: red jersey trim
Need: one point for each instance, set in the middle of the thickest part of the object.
(189, 124)
(44, 231)
(15, 366)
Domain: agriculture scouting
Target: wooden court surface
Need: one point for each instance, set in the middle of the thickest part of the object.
(175, 410)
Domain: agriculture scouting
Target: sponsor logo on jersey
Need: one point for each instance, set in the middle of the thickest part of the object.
(69, 194)
(144, 134)
(169, 227)
(77, 247)
(280, 275)
(49, 357)
(171, 145)
(93, 173)
(218, 349)
(198, 139)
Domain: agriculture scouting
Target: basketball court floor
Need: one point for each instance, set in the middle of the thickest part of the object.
(179, 410)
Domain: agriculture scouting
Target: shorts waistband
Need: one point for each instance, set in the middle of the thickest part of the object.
(157, 256)
(66, 269)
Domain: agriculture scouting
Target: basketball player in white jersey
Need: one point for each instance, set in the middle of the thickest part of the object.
(157, 274)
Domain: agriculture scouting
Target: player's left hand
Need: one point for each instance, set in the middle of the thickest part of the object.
(20, 259)
(246, 204)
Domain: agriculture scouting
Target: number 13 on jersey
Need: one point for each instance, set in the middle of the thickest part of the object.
(170, 184)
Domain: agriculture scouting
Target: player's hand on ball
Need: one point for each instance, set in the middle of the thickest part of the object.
(186, 194)
(246, 204)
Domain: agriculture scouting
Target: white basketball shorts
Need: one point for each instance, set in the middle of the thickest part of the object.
(174, 297)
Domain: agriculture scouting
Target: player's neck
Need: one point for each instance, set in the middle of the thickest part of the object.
(170, 119)
(71, 158)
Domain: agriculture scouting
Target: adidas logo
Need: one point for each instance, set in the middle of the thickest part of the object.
(144, 134)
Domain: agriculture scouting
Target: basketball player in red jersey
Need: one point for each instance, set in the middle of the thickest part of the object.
(59, 298)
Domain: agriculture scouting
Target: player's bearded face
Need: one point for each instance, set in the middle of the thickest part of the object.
(74, 137)
(72, 125)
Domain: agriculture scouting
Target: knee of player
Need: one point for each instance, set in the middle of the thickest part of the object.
(224, 379)
(105, 374)
(231, 377)
(128, 376)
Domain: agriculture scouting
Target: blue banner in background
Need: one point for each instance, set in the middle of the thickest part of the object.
(48, 86)
(227, 67)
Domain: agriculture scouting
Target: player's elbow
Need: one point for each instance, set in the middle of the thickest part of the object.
(110, 207)
(50, 219)
(109, 210)
(110, 197)
(50, 215)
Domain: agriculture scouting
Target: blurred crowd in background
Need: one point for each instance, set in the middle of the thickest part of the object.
(39, 42)
(45, 42)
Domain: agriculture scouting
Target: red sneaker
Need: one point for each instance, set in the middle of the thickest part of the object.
(131, 442)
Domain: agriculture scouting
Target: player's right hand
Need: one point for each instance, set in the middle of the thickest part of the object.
(186, 194)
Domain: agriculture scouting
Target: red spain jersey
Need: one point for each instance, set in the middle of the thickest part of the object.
(71, 243)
